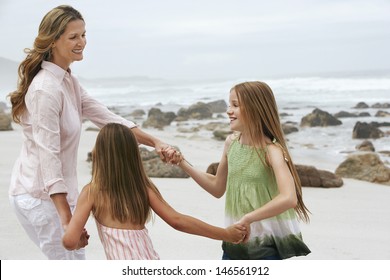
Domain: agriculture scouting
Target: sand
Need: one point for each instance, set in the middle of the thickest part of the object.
(347, 223)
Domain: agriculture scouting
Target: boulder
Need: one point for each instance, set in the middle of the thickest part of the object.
(313, 177)
(197, 111)
(155, 167)
(361, 105)
(363, 130)
(364, 166)
(218, 106)
(158, 119)
(5, 121)
(319, 118)
(365, 146)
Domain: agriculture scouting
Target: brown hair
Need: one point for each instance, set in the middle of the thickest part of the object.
(119, 181)
(260, 114)
(51, 28)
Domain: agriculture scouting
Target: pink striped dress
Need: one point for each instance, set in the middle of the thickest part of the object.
(126, 244)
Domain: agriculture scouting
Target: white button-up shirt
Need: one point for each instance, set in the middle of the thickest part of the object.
(56, 106)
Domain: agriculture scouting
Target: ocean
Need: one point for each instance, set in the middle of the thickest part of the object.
(296, 97)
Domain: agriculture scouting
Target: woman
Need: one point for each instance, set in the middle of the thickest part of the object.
(50, 105)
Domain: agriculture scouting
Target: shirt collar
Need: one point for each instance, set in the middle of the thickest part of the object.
(56, 70)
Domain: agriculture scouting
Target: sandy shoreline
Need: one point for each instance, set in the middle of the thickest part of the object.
(347, 223)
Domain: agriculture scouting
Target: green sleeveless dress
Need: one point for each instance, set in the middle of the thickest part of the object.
(250, 185)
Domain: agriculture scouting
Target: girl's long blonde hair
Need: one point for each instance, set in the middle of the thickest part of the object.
(119, 182)
(51, 28)
(260, 114)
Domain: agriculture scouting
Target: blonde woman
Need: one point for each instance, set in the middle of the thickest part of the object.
(121, 197)
(50, 105)
(259, 178)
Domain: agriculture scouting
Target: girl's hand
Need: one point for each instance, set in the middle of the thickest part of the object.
(236, 233)
(246, 225)
(83, 239)
(173, 156)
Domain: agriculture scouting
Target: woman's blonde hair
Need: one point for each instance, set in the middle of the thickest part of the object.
(51, 28)
(119, 182)
(260, 115)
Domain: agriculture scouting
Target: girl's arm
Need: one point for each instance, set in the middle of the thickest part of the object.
(213, 184)
(286, 198)
(188, 224)
(75, 235)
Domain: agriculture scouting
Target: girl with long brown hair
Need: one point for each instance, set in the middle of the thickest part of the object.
(121, 198)
(259, 178)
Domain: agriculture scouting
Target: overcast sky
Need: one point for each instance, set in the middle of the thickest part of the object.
(214, 38)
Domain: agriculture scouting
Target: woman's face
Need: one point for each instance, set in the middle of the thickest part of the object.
(69, 47)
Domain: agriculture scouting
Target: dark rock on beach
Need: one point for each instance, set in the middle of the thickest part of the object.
(366, 167)
(154, 166)
(319, 118)
(313, 177)
(158, 119)
(5, 121)
(363, 130)
(198, 111)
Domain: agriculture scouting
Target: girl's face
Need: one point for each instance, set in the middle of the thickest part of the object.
(234, 113)
(69, 47)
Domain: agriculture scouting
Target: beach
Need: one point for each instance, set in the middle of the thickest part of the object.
(347, 223)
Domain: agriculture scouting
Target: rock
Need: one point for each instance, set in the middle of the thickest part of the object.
(381, 105)
(365, 146)
(345, 114)
(5, 121)
(381, 113)
(288, 128)
(158, 119)
(197, 111)
(218, 106)
(155, 167)
(361, 105)
(212, 126)
(138, 113)
(222, 134)
(3, 106)
(364, 114)
(212, 168)
(313, 177)
(363, 130)
(319, 118)
(364, 166)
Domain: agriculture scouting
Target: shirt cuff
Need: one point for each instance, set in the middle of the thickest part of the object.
(57, 186)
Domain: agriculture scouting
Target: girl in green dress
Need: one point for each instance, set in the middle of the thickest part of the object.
(259, 180)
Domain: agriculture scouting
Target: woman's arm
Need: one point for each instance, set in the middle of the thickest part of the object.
(151, 141)
(192, 225)
(286, 198)
(75, 236)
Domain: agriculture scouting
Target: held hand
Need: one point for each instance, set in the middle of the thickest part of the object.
(247, 226)
(161, 149)
(236, 233)
(176, 158)
(172, 155)
(83, 240)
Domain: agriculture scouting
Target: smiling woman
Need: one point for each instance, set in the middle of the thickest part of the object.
(50, 105)
(69, 47)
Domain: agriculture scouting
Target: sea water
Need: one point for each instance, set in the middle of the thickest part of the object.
(295, 96)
